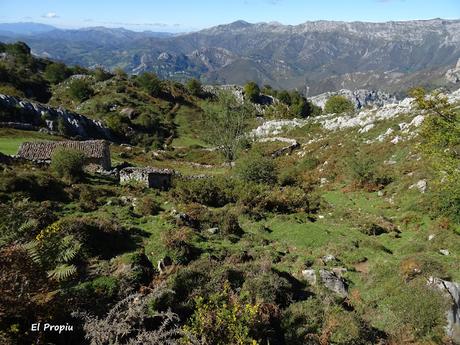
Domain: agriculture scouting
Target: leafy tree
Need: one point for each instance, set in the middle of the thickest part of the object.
(194, 87)
(68, 163)
(338, 104)
(441, 144)
(301, 107)
(225, 122)
(251, 91)
(56, 72)
(150, 83)
(80, 90)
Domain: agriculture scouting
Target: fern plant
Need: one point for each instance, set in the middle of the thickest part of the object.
(56, 254)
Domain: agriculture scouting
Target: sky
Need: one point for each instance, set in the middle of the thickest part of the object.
(192, 15)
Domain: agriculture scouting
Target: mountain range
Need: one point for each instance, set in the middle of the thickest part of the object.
(313, 57)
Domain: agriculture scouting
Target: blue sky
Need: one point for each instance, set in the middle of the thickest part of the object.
(189, 15)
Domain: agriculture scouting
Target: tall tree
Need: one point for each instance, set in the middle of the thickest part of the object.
(225, 121)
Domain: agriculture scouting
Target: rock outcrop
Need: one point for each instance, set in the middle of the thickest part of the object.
(24, 114)
(452, 291)
(361, 98)
(453, 74)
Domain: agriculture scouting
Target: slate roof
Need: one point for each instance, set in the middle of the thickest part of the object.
(42, 150)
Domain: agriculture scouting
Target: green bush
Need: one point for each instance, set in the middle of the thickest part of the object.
(56, 72)
(230, 224)
(212, 191)
(35, 185)
(150, 83)
(222, 319)
(101, 74)
(147, 206)
(251, 91)
(177, 244)
(445, 200)
(68, 163)
(338, 104)
(80, 90)
(267, 287)
(303, 321)
(257, 168)
(365, 172)
(194, 87)
(256, 199)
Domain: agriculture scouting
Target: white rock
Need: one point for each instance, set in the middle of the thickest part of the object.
(444, 251)
(417, 121)
(420, 185)
(366, 128)
(310, 276)
(396, 139)
(430, 237)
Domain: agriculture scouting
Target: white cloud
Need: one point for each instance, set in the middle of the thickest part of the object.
(50, 15)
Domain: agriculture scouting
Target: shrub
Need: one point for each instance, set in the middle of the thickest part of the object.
(56, 72)
(101, 74)
(194, 87)
(20, 221)
(213, 191)
(80, 90)
(177, 244)
(257, 168)
(338, 104)
(221, 320)
(267, 287)
(230, 224)
(10, 90)
(256, 199)
(364, 172)
(445, 200)
(132, 320)
(147, 206)
(36, 185)
(251, 91)
(289, 200)
(150, 83)
(68, 163)
(302, 321)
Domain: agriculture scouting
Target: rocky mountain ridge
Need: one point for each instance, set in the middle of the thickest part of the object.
(315, 56)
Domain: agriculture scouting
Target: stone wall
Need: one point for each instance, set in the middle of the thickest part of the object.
(147, 176)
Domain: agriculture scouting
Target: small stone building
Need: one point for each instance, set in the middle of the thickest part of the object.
(149, 176)
(97, 152)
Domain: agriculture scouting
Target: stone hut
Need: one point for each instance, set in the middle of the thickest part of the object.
(97, 152)
(149, 176)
